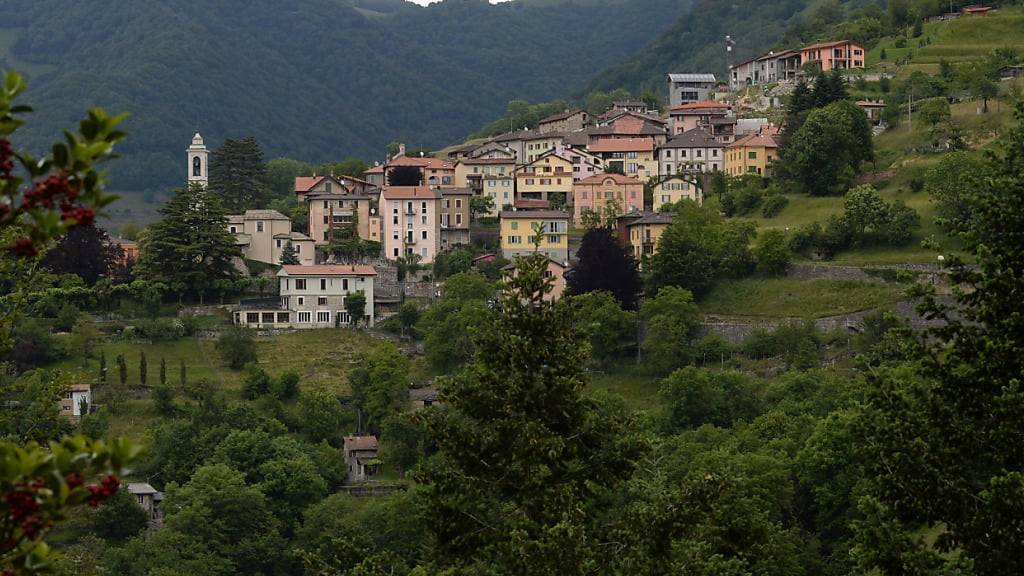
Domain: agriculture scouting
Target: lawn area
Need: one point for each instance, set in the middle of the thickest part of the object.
(639, 391)
(797, 297)
(322, 358)
(956, 41)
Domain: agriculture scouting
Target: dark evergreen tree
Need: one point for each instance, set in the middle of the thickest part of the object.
(182, 373)
(143, 367)
(603, 263)
(238, 176)
(522, 453)
(85, 251)
(288, 254)
(103, 366)
(163, 370)
(190, 249)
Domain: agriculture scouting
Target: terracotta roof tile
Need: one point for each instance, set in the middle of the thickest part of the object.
(329, 270)
(622, 145)
(409, 193)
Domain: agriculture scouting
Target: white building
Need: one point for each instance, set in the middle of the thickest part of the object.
(314, 297)
(76, 402)
(198, 162)
(693, 150)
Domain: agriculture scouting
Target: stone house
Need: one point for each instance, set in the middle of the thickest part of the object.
(566, 121)
(361, 457)
(149, 499)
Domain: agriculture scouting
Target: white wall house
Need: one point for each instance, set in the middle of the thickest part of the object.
(314, 297)
(76, 402)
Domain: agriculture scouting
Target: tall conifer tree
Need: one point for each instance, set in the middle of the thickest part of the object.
(238, 175)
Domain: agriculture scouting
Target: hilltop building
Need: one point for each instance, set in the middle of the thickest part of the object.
(686, 88)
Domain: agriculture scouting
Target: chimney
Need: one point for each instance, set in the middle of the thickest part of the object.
(401, 149)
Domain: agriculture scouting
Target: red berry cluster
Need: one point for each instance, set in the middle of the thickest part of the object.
(106, 488)
(24, 507)
(6, 158)
(51, 191)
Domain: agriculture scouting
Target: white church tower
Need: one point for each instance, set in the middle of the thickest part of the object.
(198, 161)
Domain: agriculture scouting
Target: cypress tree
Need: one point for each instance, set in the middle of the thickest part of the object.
(181, 373)
(142, 368)
(103, 366)
(122, 369)
(163, 371)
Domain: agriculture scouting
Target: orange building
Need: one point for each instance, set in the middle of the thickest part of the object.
(838, 55)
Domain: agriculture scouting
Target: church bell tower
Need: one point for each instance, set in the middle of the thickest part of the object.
(198, 162)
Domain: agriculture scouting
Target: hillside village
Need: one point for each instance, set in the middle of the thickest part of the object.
(673, 312)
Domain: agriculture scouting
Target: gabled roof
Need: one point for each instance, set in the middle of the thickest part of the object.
(622, 145)
(654, 218)
(700, 106)
(141, 488)
(375, 170)
(561, 116)
(695, 138)
(456, 191)
(692, 78)
(485, 161)
(328, 270)
(755, 140)
(425, 162)
(298, 236)
(259, 215)
(534, 214)
(360, 443)
(618, 178)
(531, 204)
(827, 44)
(870, 104)
(409, 193)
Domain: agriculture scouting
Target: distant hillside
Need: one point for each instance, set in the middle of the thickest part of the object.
(696, 43)
(311, 79)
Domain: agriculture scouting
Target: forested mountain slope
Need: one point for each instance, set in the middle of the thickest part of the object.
(312, 79)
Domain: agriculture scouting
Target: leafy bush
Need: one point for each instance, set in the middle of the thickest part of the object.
(237, 346)
(166, 329)
(774, 205)
(257, 382)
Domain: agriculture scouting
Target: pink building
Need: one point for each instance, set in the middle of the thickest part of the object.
(596, 192)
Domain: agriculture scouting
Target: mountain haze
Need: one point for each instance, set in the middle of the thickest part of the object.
(311, 79)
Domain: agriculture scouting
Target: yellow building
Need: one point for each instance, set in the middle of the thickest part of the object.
(518, 230)
(547, 177)
(645, 232)
(672, 189)
(752, 154)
